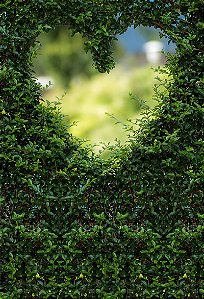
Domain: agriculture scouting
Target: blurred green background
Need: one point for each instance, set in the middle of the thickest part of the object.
(94, 102)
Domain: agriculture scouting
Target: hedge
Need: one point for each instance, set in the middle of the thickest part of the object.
(73, 225)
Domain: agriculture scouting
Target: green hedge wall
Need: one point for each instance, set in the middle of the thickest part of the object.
(73, 225)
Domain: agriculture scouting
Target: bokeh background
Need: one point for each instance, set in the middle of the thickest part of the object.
(98, 106)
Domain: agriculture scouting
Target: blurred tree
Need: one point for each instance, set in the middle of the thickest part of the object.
(62, 56)
(149, 33)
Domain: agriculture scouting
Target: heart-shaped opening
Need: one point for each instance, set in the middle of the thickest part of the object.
(96, 102)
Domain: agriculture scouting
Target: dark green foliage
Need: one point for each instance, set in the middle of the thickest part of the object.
(73, 226)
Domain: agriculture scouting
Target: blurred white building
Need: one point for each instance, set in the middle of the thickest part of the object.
(45, 81)
(153, 53)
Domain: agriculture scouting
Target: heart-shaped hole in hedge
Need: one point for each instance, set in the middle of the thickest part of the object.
(94, 101)
(73, 225)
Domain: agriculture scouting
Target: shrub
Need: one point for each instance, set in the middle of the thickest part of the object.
(72, 225)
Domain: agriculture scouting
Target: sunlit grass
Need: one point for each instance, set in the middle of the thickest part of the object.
(87, 103)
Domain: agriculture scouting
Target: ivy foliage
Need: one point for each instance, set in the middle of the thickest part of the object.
(73, 225)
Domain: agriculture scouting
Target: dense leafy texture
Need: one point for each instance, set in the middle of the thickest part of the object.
(73, 226)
